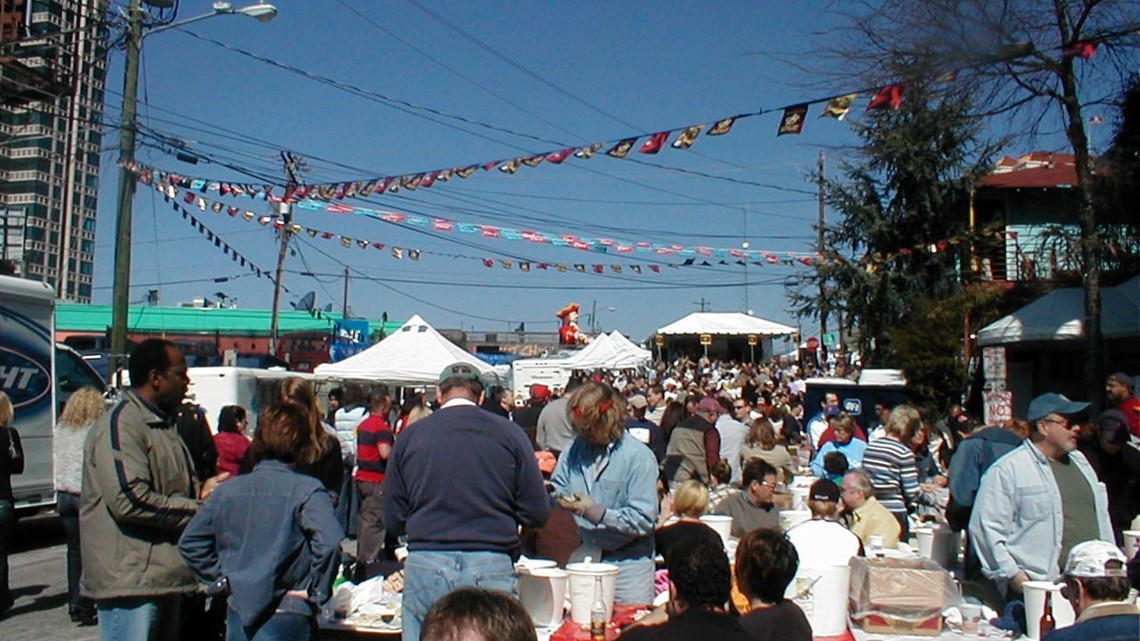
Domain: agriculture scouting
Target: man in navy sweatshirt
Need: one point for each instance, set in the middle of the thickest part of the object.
(459, 484)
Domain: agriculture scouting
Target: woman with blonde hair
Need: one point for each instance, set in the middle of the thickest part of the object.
(79, 413)
(761, 443)
(681, 517)
(890, 463)
(608, 479)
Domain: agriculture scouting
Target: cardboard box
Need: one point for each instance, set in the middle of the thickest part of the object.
(900, 596)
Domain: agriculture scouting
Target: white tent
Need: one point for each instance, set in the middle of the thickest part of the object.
(725, 324)
(630, 348)
(415, 354)
(1060, 315)
(608, 351)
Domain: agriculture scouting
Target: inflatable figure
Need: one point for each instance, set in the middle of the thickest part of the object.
(569, 333)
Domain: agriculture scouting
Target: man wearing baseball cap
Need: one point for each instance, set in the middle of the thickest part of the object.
(459, 484)
(1038, 501)
(527, 417)
(694, 444)
(1118, 390)
(1096, 583)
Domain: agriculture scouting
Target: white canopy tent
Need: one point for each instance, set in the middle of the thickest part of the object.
(1060, 315)
(413, 355)
(725, 324)
(608, 351)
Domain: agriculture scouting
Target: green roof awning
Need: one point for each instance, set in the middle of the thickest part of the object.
(73, 317)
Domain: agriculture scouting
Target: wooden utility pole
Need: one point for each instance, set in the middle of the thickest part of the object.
(823, 307)
(285, 211)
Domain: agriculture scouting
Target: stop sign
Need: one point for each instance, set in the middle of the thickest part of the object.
(812, 344)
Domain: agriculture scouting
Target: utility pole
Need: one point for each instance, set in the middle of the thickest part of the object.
(285, 211)
(121, 289)
(744, 246)
(703, 304)
(823, 307)
(344, 312)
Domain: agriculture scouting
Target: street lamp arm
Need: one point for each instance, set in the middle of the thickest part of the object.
(261, 11)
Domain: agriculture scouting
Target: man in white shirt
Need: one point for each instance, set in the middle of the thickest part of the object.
(732, 433)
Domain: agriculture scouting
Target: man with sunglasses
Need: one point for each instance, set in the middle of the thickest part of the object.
(1096, 583)
(1038, 501)
(754, 505)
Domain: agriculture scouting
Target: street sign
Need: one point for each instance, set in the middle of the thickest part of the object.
(659, 340)
(830, 340)
(998, 408)
(994, 364)
(753, 340)
(706, 339)
(812, 344)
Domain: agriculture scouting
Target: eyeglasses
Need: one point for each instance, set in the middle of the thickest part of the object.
(768, 484)
(1059, 421)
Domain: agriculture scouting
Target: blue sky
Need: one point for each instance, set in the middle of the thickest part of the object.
(569, 73)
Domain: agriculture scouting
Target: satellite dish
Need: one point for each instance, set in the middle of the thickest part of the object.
(328, 308)
(306, 303)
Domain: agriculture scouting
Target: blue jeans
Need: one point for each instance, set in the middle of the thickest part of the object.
(430, 575)
(140, 618)
(7, 532)
(282, 626)
(68, 506)
(634, 580)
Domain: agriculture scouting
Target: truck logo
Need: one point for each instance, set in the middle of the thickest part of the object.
(24, 380)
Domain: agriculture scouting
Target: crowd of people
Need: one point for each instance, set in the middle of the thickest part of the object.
(175, 529)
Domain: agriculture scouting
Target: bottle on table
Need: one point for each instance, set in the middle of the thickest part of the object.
(598, 613)
(1047, 622)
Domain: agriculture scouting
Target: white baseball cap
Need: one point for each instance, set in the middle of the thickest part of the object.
(1096, 560)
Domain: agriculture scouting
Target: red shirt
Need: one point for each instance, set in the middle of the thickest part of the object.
(1131, 408)
(372, 432)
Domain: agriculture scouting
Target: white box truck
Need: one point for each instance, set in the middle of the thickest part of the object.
(38, 376)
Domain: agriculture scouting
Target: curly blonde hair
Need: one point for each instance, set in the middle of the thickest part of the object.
(82, 409)
(597, 409)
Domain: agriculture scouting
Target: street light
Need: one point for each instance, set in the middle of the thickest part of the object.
(120, 296)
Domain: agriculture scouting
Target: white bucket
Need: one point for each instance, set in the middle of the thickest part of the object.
(1131, 543)
(525, 565)
(722, 524)
(582, 579)
(821, 592)
(1035, 605)
(936, 543)
(542, 592)
(791, 518)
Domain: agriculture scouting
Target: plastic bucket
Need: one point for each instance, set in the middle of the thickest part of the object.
(542, 592)
(722, 524)
(582, 580)
(821, 592)
(1035, 605)
(791, 518)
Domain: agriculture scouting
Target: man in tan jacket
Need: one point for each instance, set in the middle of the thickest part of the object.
(139, 492)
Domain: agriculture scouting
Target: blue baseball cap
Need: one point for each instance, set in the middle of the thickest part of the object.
(1053, 403)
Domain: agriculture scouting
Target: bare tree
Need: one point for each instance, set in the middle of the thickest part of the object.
(1035, 67)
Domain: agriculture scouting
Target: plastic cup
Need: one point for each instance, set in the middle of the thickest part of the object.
(1035, 605)
(971, 617)
(1131, 543)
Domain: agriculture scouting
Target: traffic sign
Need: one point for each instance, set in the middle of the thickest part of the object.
(753, 340)
(812, 344)
(706, 339)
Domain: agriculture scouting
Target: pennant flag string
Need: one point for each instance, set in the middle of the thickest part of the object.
(598, 245)
(217, 241)
(792, 122)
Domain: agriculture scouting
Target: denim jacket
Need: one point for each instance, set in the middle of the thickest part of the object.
(266, 533)
(1017, 521)
(622, 478)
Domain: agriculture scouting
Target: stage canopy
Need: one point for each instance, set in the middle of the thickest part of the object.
(725, 324)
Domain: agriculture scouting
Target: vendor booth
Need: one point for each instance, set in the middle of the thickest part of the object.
(413, 355)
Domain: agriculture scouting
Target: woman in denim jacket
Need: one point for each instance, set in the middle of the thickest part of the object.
(269, 539)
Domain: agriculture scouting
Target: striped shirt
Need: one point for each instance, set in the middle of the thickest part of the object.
(893, 473)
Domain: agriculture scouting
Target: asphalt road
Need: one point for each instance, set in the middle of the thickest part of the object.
(38, 579)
